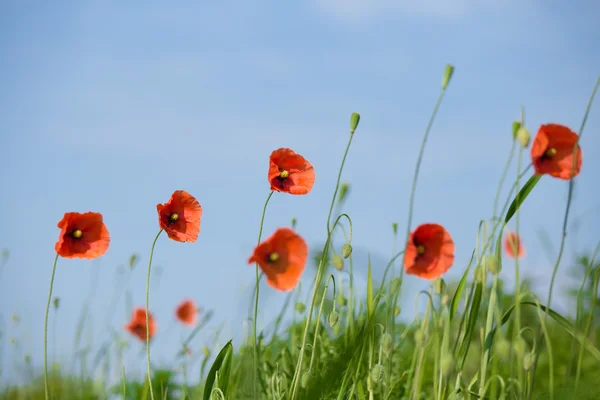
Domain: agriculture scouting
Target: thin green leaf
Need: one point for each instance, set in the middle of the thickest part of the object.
(472, 321)
(223, 364)
(460, 289)
(521, 196)
(369, 289)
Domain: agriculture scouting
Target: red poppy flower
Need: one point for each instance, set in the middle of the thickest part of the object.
(137, 324)
(82, 236)
(513, 245)
(180, 217)
(282, 257)
(552, 152)
(429, 252)
(187, 312)
(290, 172)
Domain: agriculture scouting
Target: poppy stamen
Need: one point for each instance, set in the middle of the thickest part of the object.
(551, 152)
(77, 234)
(174, 217)
(273, 257)
(420, 250)
(284, 174)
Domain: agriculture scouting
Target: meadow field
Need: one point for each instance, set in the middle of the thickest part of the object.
(446, 305)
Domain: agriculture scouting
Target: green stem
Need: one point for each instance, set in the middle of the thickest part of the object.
(260, 230)
(517, 271)
(488, 328)
(148, 315)
(503, 177)
(418, 166)
(318, 277)
(46, 387)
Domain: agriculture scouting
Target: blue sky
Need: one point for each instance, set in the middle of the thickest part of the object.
(110, 107)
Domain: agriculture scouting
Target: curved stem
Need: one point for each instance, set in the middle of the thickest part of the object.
(262, 220)
(46, 387)
(418, 166)
(147, 315)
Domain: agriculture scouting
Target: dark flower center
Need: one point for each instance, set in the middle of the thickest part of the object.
(551, 152)
(77, 234)
(273, 257)
(420, 249)
(174, 217)
(284, 174)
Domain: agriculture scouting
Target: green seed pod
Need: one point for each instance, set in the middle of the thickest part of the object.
(377, 373)
(503, 349)
(516, 125)
(346, 250)
(492, 264)
(387, 343)
(300, 307)
(342, 300)
(354, 119)
(337, 262)
(333, 318)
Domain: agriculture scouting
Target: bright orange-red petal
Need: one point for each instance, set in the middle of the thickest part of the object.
(562, 140)
(513, 242)
(94, 240)
(137, 324)
(301, 174)
(186, 227)
(292, 251)
(438, 254)
(187, 312)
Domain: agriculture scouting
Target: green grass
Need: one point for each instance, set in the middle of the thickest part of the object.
(474, 340)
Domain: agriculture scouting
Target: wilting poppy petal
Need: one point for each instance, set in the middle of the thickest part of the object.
(180, 217)
(282, 257)
(552, 152)
(82, 236)
(513, 246)
(187, 312)
(429, 252)
(289, 172)
(137, 324)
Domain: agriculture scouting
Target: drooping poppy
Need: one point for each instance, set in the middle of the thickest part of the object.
(282, 257)
(552, 152)
(513, 246)
(429, 252)
(82, 235)
(180, 217)
(187, 312)
(137, 324)
(291, 173)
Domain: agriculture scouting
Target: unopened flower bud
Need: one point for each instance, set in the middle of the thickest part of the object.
(395, 228)
(516, 125)
(205, 351)
(300, 307)
(523, 136)
(354, 119)
(519, 347)
(419, 338)
(333, 318)
(503, 349)
(447, 76)
(346, 250)
(342, 300)
(528, 361)
(56, 303)
(479, 273)
(396, 311)
(337, 262)
(445, 299)
(492, 264)
(377, 373)
(305, 380)
(294, 221)
(133, 260)
(440, 286)
(344, 188)
(387, 343)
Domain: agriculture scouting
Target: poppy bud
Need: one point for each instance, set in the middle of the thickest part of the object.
(27, 358)
(396, 284)
(445, 299)
(396, 311)
(333, 318)
(305, 380)
(342, 300)
(377, 373)
(492, 264)
(300, 307)
(337, 329)
(419, 338)
(523, 136)
(515, 128)
(528, 361)
(519, 347)
(344, 188)
(395, 227)
(387, 343)
(56, 302)
(354, 118)
(447, 76)
(133, 260)
(440, 286)
(337, 262)
(503, 349)
(346, 250)
(479, 273)
(447, 364)
(294, 223)
(205, 351)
